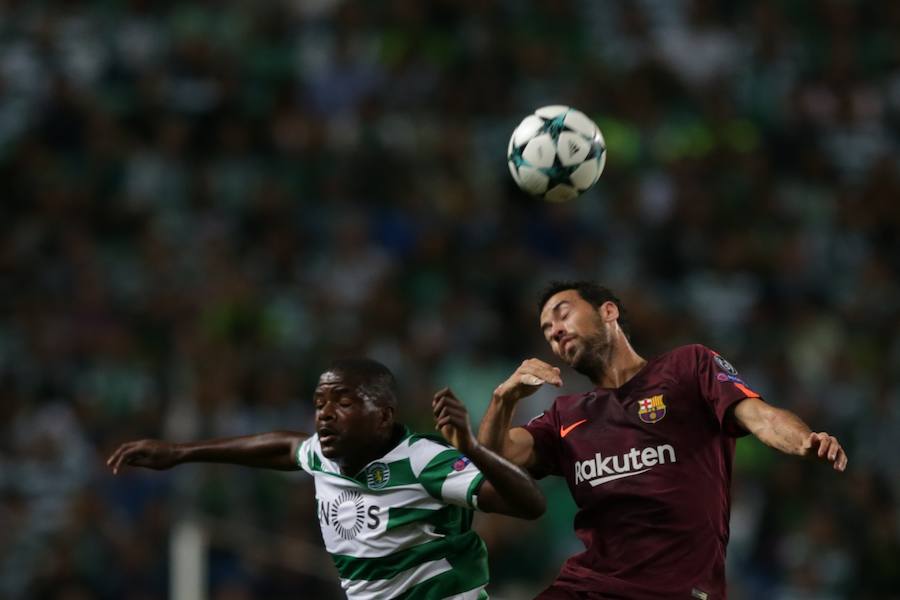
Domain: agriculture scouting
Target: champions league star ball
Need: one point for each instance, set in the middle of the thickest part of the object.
(556, 153)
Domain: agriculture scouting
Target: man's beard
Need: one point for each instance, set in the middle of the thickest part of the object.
(595, 356)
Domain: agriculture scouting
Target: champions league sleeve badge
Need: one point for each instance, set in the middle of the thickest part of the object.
(461, 463)
(725, 365)
(652, 409)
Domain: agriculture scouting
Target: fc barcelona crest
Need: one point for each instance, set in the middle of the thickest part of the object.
(652, 409)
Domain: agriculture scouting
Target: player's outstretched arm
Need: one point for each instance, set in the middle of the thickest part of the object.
(273, 450)
(507, 488)
(515, 443)
(785, 431)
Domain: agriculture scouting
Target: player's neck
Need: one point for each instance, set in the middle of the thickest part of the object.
(619, 366)
(351, 466)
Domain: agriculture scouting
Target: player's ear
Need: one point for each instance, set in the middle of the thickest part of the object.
(386, 415)
(609, 311)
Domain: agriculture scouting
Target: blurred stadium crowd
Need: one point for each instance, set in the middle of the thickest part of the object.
(202, 203)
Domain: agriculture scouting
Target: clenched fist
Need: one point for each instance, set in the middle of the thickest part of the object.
(452, 420)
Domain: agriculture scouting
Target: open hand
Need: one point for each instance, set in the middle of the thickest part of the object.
(826, 447)
(525, 381)
(152, 454)
(452, 420)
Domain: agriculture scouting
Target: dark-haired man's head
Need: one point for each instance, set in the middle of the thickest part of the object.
(373, 381)
(355, 401)
(581, 321)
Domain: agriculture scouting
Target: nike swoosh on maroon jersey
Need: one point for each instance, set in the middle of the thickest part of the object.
(564, 431)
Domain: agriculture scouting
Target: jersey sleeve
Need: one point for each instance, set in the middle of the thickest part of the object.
(722, 388)
(449, 476)
(544, 429)
(306, 456)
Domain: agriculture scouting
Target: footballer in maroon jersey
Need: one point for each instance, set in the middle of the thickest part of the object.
(647, 454)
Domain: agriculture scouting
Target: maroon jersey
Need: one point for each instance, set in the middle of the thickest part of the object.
(649, 466)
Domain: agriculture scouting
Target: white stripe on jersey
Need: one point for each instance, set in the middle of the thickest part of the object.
(423, 452)
(470, 595)
(456, 486)
(378, 543)
(388, 588)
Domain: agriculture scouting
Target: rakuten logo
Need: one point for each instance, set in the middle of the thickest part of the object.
(600, 469)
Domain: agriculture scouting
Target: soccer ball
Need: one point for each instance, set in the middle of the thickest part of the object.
(556, 153)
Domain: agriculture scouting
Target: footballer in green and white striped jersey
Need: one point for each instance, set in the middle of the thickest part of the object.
(401, 528)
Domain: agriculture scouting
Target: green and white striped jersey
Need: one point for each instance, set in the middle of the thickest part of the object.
(401, 528)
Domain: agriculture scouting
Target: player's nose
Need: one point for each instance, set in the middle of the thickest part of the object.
(326, 413)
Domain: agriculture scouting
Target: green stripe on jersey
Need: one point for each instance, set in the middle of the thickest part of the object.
(314, 461)
(432, 437)
(398, 517)
(401, 473)
(467, 549)
(435, 472)
(448, 520)
(470, 571)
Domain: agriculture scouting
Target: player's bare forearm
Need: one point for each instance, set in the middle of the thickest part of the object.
(272, 450)
(512, 443)
(493, 433)
(785, 431)
(508, 488)
(781, 429)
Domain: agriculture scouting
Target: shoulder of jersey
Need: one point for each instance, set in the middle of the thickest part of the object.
(572, 397)
(684, 351)
(428, 438)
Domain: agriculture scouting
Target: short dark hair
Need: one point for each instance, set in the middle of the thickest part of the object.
(593, 293)
(375, 379)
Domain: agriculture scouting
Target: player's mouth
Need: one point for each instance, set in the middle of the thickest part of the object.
(565, 344)
(327, 436)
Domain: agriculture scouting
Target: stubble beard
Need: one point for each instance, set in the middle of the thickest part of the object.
(596, 355)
